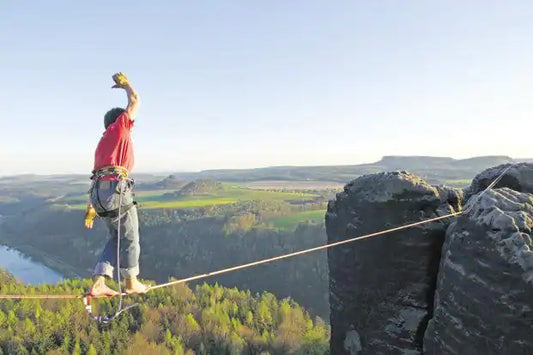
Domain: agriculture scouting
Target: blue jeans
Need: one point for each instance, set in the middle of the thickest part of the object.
(106, 196)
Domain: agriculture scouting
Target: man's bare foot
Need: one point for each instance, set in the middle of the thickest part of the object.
(100, 288)
(133, 286)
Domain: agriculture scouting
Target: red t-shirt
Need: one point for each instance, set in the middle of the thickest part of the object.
(115, 147)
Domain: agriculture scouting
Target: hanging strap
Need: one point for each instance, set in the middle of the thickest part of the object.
(103, 319)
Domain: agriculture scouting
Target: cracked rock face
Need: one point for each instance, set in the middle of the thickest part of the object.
(484, 298)
(381, 289)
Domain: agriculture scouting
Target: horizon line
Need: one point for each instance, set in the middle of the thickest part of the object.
(167, 172)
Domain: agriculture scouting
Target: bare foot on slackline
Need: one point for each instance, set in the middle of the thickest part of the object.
(101, 289)
(133, 286)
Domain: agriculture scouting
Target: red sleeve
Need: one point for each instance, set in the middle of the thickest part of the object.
(125, 121)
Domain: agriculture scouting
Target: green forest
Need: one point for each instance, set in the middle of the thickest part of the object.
(208, 319)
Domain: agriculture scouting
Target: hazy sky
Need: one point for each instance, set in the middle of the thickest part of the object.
(233, 84)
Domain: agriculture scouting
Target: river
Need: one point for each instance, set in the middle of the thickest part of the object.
(25, 269)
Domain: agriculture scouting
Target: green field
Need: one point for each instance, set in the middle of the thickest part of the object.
(187, 203)
(291, 221)
(155, 199)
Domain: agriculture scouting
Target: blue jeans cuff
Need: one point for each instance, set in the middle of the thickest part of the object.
(130, 272)
(104, 269)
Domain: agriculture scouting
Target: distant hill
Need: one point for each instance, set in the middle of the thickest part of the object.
(171, 182)
(201, 187)
(433, 169)
(425, 162)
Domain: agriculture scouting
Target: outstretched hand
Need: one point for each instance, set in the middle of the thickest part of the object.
(121, 82)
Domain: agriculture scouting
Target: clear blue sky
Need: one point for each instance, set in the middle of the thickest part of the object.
(234, 84)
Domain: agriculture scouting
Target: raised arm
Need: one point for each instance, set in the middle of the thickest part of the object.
(133, 98)
(133, 101)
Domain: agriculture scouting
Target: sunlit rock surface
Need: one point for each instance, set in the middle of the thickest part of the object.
(484, 298)
(381, 289)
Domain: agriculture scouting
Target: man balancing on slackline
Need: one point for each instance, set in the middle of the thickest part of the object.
(111, 195)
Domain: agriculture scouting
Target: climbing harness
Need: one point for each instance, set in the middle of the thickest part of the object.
(87, 299)
(110, 171)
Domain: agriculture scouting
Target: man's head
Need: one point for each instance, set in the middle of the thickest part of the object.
(112, 115)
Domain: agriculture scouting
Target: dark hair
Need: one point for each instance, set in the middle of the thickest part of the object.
(112, 115)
